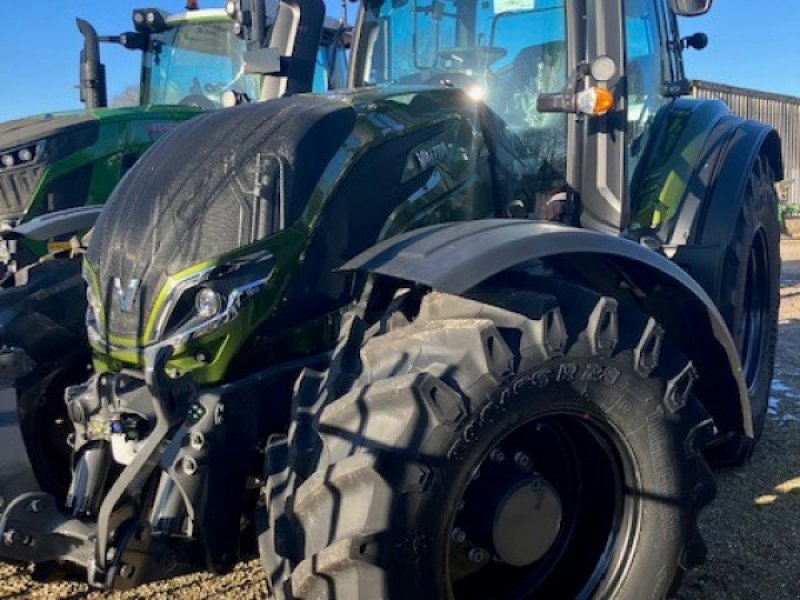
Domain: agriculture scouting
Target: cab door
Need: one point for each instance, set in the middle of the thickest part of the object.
(636, 34)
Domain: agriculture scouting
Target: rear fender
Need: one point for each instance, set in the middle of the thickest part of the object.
(694, 170)
(679, 154)
(708, 216)
(456, 257)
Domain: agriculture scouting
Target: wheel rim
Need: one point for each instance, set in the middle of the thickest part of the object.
(755, 311)
(582, 472)
(47, 427)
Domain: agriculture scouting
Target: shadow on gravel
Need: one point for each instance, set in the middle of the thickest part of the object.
(753, 528)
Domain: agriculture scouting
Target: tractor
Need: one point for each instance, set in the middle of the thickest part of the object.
(56, 170)
(474, 327)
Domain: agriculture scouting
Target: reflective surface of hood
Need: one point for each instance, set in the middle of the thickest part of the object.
(31, 129)
(220, 182)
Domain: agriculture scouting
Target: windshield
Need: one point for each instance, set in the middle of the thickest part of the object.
(330, 69)
(193, 64)
(504, 52)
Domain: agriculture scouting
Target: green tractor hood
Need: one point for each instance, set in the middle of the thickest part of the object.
(22, 131)
(61, 160)
(199, 258)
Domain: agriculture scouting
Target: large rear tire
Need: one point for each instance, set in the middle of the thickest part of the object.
(485, 452)
(749, 300)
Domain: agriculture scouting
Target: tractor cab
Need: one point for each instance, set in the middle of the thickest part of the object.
(565, 84)
(504, 54)
(193, 58)
(194, 62)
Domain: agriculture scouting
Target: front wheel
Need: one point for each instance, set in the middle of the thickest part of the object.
(486, 452)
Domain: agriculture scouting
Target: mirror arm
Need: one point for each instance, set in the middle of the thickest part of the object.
(565, 100)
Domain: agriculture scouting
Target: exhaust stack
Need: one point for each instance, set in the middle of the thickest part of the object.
(93, 72)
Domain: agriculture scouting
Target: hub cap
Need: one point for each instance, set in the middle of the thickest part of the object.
(545, 513)
(526, 522)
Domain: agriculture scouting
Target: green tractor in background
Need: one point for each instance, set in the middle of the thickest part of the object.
(470, 329)
(58, 169)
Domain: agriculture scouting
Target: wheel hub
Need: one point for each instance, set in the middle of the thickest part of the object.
(527, 522)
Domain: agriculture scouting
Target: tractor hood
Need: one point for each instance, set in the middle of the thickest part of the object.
(217, 184)
(31, 129)
(49, 125)
(28, 145)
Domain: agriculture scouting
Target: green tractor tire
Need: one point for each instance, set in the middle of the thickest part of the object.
(513, 444)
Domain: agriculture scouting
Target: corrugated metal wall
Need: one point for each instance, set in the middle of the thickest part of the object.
(782, 112)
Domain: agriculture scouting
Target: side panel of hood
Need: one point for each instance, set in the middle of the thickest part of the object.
(215, 184)
(22, 131)
(31, 129)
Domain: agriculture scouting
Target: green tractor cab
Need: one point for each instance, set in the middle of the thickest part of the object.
(58, 169)
(472, 328)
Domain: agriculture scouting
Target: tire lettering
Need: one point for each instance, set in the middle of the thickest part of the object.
(504, 395)
(567, 372)
(662, 470)
(542, 378)
(592, 373)
(611, 375)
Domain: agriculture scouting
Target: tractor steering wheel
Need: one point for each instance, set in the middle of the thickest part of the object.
(199, 101)
(473, 57)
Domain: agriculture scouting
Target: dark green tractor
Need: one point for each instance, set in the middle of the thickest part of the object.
(56, 170)
(529, 291)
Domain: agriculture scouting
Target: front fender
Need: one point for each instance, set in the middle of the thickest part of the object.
(455, 257)
(54, 224)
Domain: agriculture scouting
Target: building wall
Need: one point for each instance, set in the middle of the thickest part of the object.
(782, 112)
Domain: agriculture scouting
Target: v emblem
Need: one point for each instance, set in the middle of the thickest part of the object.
(126, 296)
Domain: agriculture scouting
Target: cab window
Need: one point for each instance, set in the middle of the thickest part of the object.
(647, 67)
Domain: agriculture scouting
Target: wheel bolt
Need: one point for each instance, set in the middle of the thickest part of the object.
(459, 535)
(476, 555)
(197, 440)
(189, 465)
(11, 537)
(497, 455)
(522, 461)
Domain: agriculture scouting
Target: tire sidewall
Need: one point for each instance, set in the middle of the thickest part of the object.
(758, 217)
(629, 405)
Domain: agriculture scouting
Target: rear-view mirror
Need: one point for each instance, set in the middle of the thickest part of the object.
(690, 8)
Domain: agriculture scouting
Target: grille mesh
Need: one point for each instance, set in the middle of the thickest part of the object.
(16, 189)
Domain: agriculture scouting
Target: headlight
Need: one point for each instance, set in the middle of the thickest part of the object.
(207, 303)
(22, 156)
(207, 300)
(196, 305)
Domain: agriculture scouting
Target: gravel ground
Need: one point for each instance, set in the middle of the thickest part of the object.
(752, 529)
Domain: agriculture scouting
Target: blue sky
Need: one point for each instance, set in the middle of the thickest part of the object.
(754, 43)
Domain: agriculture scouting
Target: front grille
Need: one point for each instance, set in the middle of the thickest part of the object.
(16, 190)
